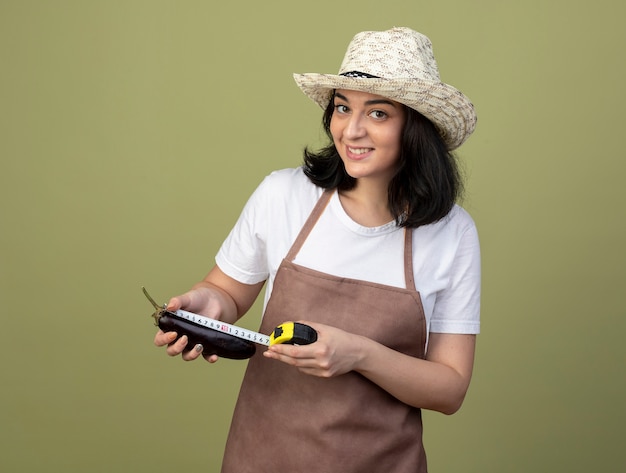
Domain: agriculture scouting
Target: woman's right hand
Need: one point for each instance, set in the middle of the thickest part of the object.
(203, 300)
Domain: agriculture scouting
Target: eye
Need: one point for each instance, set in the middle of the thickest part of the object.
(378, 114)
(341, 108)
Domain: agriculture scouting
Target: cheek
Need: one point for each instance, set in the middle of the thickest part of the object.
(392, 139)
(335, 130)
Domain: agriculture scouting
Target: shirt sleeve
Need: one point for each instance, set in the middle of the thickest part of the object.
(243, 254)
(457, 307)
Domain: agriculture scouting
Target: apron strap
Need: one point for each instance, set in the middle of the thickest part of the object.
(309, 224)
(409, 278)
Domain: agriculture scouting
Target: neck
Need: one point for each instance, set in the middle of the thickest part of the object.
(367, 204)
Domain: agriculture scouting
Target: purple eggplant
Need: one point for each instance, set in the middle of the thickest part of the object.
(214, 342)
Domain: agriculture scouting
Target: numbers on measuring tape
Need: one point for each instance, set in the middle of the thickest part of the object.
(223, 327)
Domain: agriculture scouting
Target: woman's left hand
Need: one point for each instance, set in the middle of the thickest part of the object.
(438, 382)
(334, 353)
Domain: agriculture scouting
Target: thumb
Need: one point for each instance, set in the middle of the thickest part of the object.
(175, 303)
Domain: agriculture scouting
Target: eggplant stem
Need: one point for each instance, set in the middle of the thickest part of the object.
(159, 309)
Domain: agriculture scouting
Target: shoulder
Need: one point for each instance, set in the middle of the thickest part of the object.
(447, 238)
(287, 178)
(288, 186)
(457, 222)
(459, 219)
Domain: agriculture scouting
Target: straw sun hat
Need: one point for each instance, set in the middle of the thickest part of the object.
(398, 64)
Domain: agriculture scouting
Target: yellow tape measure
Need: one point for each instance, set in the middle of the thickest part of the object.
(293, 333)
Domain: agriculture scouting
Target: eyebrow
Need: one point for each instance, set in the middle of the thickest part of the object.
(369, 102)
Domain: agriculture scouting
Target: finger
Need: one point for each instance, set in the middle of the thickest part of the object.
(175, 303)
(189, 301)
(212, 358)
(291, 354)
(177, 347)
(195, 352)
(164, 338)
(279, 357)
(306, 365)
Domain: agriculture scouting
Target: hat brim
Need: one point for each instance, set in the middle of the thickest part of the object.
(446, 107)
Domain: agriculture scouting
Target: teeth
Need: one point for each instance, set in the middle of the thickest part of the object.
(358, 150)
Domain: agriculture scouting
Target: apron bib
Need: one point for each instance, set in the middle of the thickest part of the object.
(290, 422)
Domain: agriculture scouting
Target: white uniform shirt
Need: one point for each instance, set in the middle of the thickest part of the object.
(446, 254)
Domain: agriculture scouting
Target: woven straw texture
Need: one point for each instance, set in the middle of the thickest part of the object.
(406, 71)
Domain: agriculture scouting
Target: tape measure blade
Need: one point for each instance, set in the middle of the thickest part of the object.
(224, 327)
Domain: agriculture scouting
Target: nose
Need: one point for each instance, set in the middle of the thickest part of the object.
(354, 127)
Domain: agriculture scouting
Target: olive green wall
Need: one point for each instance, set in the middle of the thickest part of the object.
(131, 134)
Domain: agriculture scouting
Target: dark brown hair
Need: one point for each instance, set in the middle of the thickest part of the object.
(427, 184)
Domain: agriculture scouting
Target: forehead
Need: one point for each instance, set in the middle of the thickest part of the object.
(364, 97)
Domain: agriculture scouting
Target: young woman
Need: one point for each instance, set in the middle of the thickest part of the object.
(366, 244)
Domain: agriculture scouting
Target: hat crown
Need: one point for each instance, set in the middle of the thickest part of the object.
(392, 54)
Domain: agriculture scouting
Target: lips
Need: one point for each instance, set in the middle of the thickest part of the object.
(358, 153)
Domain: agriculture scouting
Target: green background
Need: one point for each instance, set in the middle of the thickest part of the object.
(131, 134)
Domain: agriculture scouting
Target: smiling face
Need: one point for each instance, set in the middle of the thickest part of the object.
(367, 130)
